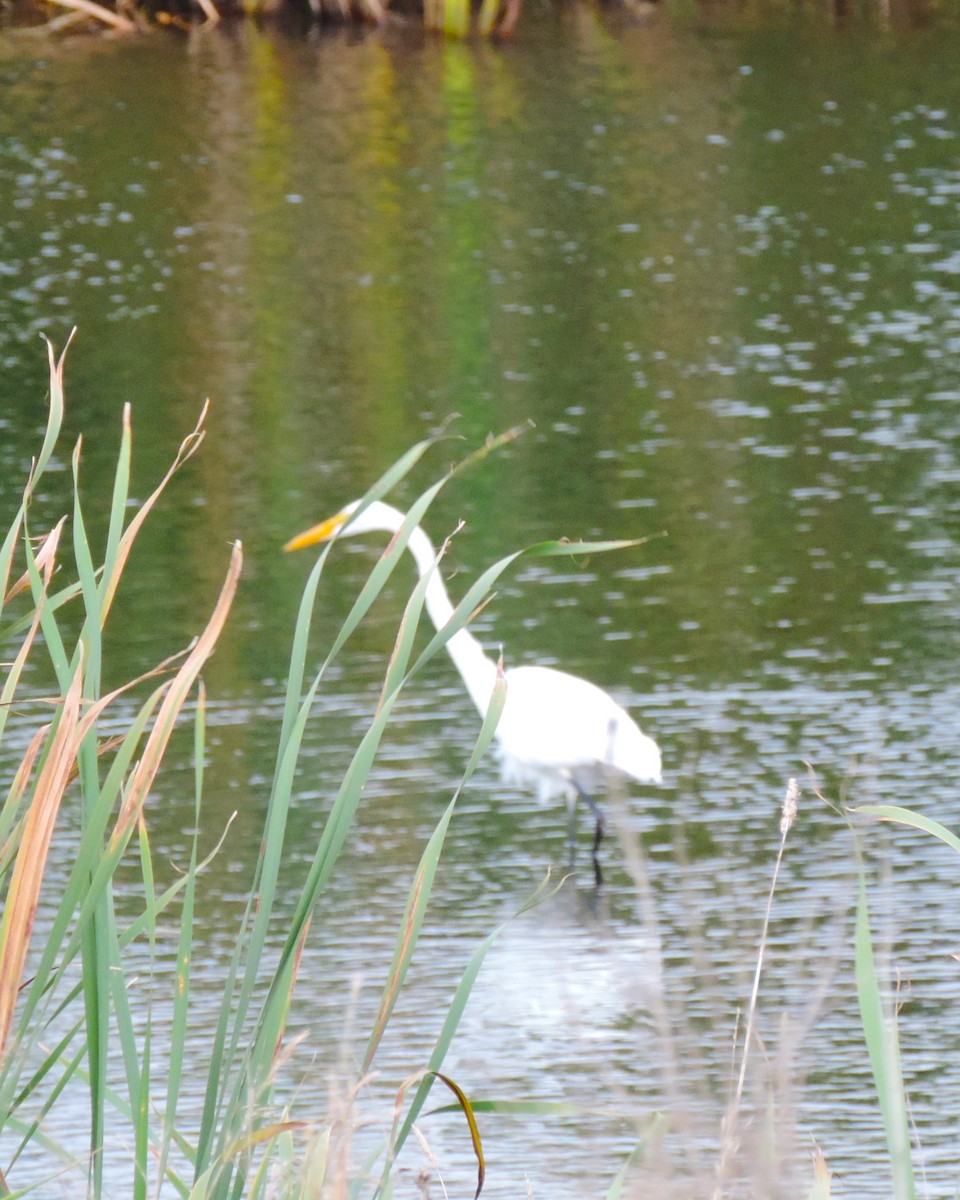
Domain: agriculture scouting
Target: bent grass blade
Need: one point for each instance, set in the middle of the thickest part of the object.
(905, 816)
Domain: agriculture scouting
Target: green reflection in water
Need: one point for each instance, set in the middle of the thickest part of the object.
(690, 270)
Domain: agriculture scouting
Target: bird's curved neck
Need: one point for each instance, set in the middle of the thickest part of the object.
(479, 673)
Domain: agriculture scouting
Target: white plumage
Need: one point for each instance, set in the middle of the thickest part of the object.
(557, 734)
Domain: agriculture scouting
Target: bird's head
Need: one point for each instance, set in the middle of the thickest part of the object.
(375, 518)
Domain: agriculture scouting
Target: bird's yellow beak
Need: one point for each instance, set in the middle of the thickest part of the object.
(318, 533)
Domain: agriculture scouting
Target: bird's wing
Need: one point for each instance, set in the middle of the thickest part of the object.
(557, 721)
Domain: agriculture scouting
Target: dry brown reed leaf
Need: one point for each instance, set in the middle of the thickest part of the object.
(19, 786)
(24, 891)
(187, 447)
(16, 667)
(178, 689)
(21, 900)
(93, 710)
(821, 1175)
(45, 555)
(25, 769)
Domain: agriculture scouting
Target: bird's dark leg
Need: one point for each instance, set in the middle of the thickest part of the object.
(597, 833)
(572, 831)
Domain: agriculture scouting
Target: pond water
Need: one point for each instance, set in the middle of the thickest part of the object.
(715, 259)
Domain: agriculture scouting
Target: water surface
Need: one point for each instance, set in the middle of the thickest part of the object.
(714, 259)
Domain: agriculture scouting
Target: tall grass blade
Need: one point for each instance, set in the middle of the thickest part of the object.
(256, 1072)
(143, 1063)
(124, 543)
(7, 549)
(241, 983)
(112, 568)
(409, 933)
(423, 881)
(9, 839)
(176, 695)
(47, 550)
(55, 415)
(51, 435)
(181, 995)
(651, 1133)
(68, 1068)
(883, 1047)
(98, 981)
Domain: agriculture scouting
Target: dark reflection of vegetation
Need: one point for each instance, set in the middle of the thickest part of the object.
(455, 18)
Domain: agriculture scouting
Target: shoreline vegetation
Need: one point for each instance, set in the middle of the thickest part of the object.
(97, 1016)
(458, 19)
(495, 19)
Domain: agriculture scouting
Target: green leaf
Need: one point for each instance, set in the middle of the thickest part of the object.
(651, 1133)
(905, 816)
(880, 1031)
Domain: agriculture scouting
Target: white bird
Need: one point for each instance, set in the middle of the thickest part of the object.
(557, 734)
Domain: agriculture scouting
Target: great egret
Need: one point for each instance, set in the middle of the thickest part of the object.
(560, 735)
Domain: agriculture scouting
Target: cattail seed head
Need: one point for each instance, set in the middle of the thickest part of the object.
(788, 813)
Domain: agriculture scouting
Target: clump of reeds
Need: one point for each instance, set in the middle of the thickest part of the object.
(757, 1145)
(72, 1019)
(75, 1016)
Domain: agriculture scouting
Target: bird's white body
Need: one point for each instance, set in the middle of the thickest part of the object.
(564, 737)
(557, 734)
